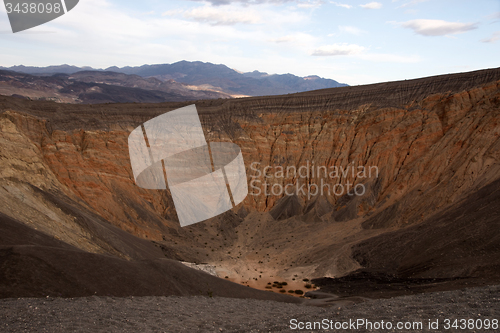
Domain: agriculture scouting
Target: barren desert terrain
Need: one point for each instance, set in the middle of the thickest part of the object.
(74, 223)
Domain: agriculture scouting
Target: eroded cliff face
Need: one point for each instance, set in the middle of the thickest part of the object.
(429, 142)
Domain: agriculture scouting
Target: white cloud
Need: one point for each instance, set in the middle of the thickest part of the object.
(284, 39)
(372, 5)
(264, 15)
(391, 58)
(310, 4)
(223, 16)
(4, 23)
(351, 30)
(245, 2)
(342, 5)
(493, 38)
(412, 3)
(118, 38)
(437, 27)
(292, 43)
(362, 53)
(172, 12)
(338, 49)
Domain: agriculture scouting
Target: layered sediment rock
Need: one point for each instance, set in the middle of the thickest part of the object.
(416, 147)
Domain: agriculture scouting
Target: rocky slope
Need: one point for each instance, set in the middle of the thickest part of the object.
(36, 265)
(90, 87)
(434, 144)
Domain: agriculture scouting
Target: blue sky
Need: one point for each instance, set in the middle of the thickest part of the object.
(355, 42)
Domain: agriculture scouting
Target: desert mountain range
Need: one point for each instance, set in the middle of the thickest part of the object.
(181, 81)
(74, 223)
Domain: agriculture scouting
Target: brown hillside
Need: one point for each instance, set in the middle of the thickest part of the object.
(434, 141)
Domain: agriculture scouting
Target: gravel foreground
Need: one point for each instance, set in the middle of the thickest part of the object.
(204, 314)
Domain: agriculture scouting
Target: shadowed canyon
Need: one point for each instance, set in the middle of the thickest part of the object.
(75, 224)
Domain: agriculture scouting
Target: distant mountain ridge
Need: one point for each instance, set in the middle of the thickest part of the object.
(207, 75)
(94, 87)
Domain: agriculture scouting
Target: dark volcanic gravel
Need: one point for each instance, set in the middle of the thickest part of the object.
(204, 314)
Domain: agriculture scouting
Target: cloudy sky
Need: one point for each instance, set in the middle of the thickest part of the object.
(354, 42)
